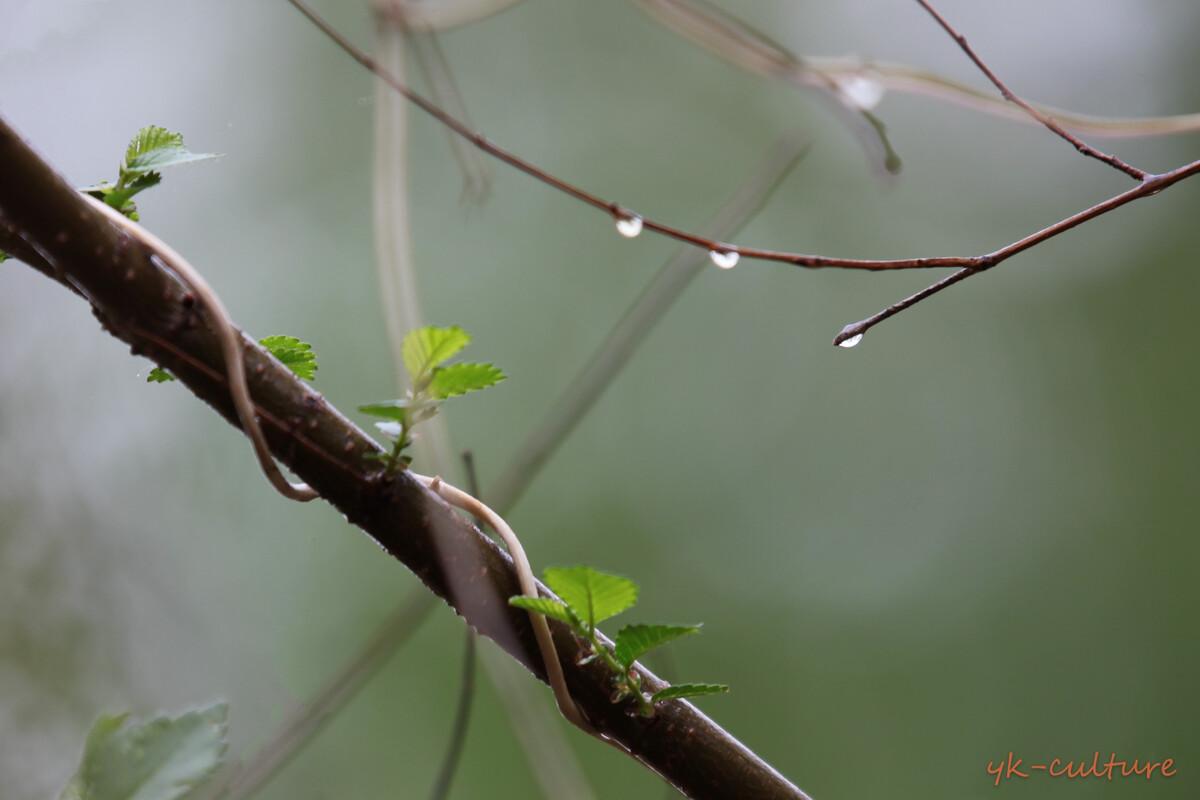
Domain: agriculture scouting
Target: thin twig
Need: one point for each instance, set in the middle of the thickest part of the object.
(1080, 145)
(1151, 186)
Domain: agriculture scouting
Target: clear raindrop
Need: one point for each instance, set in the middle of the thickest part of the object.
(629, 226)
(851, 342)
(725, 259)
(860, 92)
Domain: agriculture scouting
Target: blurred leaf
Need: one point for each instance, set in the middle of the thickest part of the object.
(546, 607)
(159, 375)
(593, 595)
(392, 409)
(634, 641)
(163, 759)
(3, 256)
(459, 379)
(427, 347)
(153, 148)
(294, 354)
(688, 690)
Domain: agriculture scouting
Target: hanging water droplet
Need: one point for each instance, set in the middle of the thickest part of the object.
(851, 342)
(861, 92)
(629, 226)
(725, 259)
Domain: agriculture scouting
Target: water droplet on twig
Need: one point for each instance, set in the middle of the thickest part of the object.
(725, 259)
(851, 342)
(629, 226)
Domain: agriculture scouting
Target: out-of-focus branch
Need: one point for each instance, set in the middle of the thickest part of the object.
(891, 76)
(142, 303)
(862, 83)
(309, 718)
(440, 15)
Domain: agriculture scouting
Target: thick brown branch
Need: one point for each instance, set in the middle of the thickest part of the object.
(1080, 145)
(141, 303)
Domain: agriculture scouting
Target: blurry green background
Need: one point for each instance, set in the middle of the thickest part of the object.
(974, 533)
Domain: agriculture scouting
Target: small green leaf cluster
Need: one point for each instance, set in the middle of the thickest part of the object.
(165, 758)
(294, 354)
(151, 149)
(589, 597)
(432, 381)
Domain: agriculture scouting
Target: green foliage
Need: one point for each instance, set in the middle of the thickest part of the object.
(681, 690)
(425, 352)
(427, 347)
(634, 641)
(166, 758)
(589, 596)
(546, 607)
(151, 149)
(464, 378)
(594, 595)
(159, 375)
(4, 256)
(294, 354)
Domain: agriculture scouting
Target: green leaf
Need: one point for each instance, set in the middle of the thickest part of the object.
(681, 690)
(593, 595)
(546, 607)
(294, 354)
(393, 409)
(159, 375)
(3, 256)
(427, 347)
(165, 758)
(153, 148)
(459, 379)
(634, 641)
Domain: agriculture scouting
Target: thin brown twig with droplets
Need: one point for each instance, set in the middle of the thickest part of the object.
(1150, 184)
(1009, 95)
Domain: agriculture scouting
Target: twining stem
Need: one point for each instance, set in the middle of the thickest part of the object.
(231, 348)
(541, 630)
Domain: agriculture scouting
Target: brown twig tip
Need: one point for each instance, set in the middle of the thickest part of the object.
(850, 335)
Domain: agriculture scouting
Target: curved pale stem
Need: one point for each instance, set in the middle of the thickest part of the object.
(231, 347)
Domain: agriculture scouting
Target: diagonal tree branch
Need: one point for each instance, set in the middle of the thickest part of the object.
(140, 302)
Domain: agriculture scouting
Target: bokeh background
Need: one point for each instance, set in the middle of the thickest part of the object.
(974, 533)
